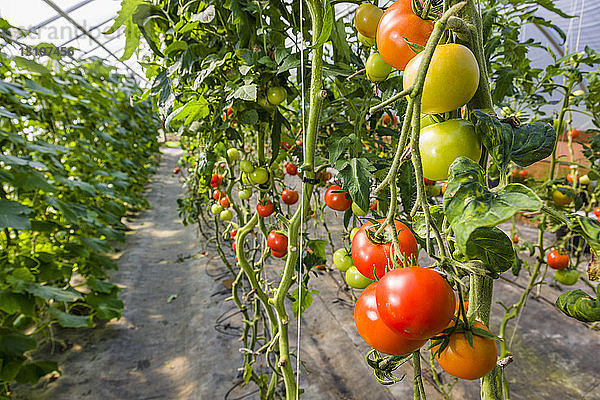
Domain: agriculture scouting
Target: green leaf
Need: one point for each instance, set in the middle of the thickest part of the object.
(318, 247)
(437, 218)
(132, 31)
(176, 46)
(52, 293)
(337, 145)
(307, 299)
(469, 205)
(246, 92)
(14, 344)
(32, 372)
(106, 306)
(407, 184)
(524, 145)
(9, 302)
(14, 215)
(31, 66)
(101, 286)
(192, 111)
(67, 320)
(247, 373)
(580, 305)
(493, 247)
(356, 178)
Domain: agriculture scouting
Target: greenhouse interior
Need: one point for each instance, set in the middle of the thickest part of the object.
(300, 199)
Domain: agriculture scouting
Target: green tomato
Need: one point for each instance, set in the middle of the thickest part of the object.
(433, 190)
(342, 260)
(357, 210)
(440, 144)
(244, 194)
(216, 209)
(355, 279)
(427, 120)
(226, 215)
(246, 166)
(366, 41)
(276, 95)
(259, 176)
(353, 233)
(233, 154)
(377, 69)
(567, 276)
(262, 101)
(584, 180)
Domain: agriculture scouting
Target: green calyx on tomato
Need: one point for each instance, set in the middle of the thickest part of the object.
(442, 143)
(415, 302)
(375, 332)
(373, 257)
(452, 78)
(259, 176)
(342, 259)
(376, 69)
(355, 279)
(366, 19)
(398, 26)
(276, 95)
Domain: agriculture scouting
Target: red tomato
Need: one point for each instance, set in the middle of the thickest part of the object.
(299, 142)
(515, 239)
(515, 173)
(291, 169)
(523, 174)
(289, 196)
(216, 194)
(373, 205)
(557, 260)
(216, 180)
(444, 186)
(337, 199)
(597, 211)
(234, 246)
(233, 233)
(286, 145)
(464, 361)
(225, 202)
(375, 332)
(177, 170)
(277, 242)
(428, 182)
(574, 133)
(570, 178)
(278, 254)
(398, 25)
(368, 256)
(265, 209)
(416, 302)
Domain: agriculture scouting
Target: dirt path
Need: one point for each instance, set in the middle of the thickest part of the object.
(174, 349)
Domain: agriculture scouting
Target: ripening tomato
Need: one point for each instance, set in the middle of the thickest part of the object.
(557, 260)
(573, 133)
(327, 176)
(523, 174)
(276, 95)
(560, 198)
(570, 178)
(452, 78)
(369, 256)
(225, 202)
(376, 69)
(355, 279)
(278, 254)
(515, 239)
(233, 233)
(277, 242)
(291, 169)
(216, 180)
(337, 199)
(216, 194)
(397, 25)
(265, 209)
(416, 302)
(375, 332)
(442, 143)
(289, 196)
(366, 19)
(373, 206)
(464, 361)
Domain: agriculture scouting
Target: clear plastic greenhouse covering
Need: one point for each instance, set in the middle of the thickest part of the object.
(48, 26)
(96, 16)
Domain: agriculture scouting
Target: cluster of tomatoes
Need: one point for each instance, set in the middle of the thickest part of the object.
(402, 308)
(395, 31)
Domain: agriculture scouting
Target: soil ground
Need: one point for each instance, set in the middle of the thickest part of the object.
(177, 338)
